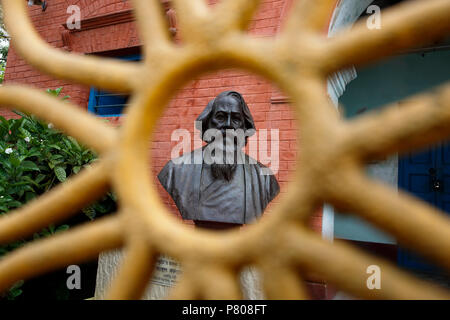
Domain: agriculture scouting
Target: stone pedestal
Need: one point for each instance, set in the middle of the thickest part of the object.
(164, 278)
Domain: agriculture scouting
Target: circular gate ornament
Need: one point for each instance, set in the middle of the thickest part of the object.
(333, 154)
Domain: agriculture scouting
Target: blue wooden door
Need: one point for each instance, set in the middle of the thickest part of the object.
(426, 175)
(443, 166)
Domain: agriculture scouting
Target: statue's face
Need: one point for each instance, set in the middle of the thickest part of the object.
(227, 115)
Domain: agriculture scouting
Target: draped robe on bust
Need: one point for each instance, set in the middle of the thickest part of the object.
(198, 196)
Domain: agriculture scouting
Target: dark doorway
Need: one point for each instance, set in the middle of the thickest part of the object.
(426, 175)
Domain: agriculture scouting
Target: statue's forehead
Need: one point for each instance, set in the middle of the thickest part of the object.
(227, 104)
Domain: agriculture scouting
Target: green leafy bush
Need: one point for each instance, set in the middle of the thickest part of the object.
(34, 157)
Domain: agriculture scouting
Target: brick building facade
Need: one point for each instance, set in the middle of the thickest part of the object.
(108, 29)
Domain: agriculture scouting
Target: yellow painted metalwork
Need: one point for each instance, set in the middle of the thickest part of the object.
(333, 154)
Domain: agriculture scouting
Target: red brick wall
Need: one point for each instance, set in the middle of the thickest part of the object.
(189, 102)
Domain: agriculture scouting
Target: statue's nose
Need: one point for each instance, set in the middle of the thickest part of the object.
(229, 121)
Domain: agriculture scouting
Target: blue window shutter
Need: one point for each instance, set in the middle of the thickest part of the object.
(108, 104)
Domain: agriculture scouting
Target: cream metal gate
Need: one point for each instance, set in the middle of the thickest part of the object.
(333, 154)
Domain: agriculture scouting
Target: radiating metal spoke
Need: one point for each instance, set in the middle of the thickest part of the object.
(235, 14)
(428, 117)
(154, 30)
(57, 204)
(308, 15)
(408, 25)
(409, 219)
(104, 73)
(63, 114)
(135, 272)
(74, 246)
(192, 15)
(346, 267)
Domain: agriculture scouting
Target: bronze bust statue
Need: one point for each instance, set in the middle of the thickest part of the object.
(218, 185)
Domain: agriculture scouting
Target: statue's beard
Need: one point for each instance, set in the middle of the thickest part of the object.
(226, 165)
(223, 171)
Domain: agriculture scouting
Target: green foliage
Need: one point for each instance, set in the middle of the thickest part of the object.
(57, 92)
(2, 69)
(15, 291)
(34, 157)
(4, 46)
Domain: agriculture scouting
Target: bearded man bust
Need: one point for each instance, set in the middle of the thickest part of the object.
(219, 186)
